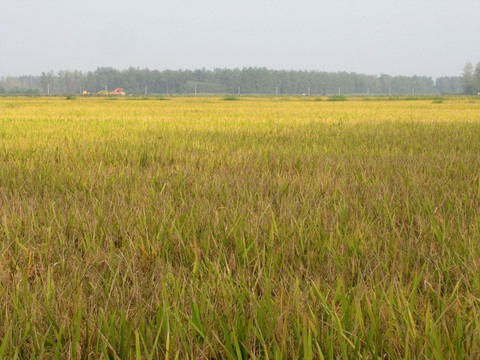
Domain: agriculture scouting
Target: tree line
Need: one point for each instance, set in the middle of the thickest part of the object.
(231, 81)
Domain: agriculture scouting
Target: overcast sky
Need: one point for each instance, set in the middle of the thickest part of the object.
(396, 37)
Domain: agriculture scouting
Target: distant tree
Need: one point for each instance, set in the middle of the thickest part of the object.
(476, 76)
(468, 80)
(448, 84)
(47, 82)
(385, 82)
(69, 81)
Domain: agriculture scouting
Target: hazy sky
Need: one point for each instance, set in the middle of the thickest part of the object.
(396, 37)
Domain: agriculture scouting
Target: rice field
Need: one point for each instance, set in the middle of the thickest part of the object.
(261, 228)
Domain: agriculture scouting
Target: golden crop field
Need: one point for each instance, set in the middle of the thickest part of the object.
(268, 228)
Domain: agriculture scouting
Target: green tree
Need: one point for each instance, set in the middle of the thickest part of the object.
(468, 80)
(476, 78)
(448, 84)
(47, 82)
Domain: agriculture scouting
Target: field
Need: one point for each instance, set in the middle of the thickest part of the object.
(274, 228)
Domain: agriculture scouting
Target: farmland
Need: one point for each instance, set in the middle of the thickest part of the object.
(274, 228)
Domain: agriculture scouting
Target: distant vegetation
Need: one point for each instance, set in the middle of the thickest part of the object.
(230, 81)
(17, 90)
(337, 98)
